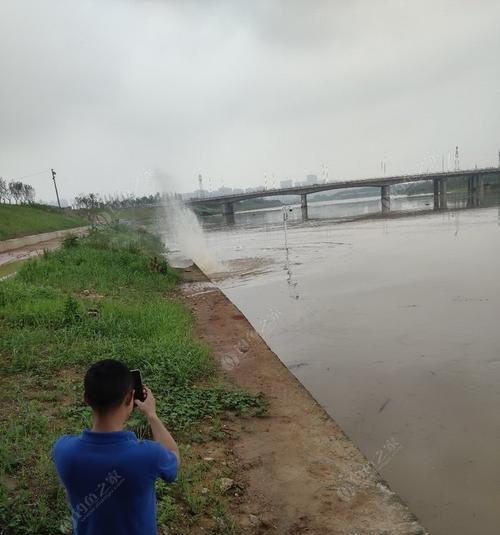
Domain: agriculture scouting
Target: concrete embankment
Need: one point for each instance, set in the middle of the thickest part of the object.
(15, 251)
(35, 239)
(301, 473)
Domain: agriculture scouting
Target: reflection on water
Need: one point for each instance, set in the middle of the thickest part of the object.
(392, 325)
(334, 210)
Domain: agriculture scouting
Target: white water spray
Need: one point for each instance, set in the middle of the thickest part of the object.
(185, 234)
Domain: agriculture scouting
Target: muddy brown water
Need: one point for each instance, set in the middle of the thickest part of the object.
(393, 325)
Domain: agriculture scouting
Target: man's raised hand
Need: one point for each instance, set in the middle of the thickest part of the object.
(148, 406)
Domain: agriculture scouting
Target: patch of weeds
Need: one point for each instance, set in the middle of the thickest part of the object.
(223, 522)
(70, 241)
(72, 310)
(169, 512)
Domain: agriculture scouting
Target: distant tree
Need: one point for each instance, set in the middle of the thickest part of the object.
(16, 190)
(94, 200)
(28, 194)
(79, 202)
(88, 201)
(4, 190)
(123, 200)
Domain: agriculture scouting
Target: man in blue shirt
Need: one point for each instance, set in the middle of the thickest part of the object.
(109, 474)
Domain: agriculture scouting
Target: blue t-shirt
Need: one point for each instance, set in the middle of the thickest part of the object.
(109, 479)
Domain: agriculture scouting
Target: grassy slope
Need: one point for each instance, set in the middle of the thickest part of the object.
(141, 214)
(23, 220)
(100, 297)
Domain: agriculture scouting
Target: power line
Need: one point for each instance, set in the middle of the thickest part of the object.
(32, 174)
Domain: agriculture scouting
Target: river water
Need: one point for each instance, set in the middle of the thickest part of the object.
(393, 326)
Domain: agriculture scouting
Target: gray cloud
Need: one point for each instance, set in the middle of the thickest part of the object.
(107, 90)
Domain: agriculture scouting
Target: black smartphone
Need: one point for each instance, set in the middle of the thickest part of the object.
(138, 388)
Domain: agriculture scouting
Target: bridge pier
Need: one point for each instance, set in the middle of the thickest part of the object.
(437, 203)
(443, 193)
(440, 193)
(475, 190)
(480, 190)
(228, 212)
(303, 205)
(385, 196)
(470, 191)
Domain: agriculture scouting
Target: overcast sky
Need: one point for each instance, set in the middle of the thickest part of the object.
(113, 93)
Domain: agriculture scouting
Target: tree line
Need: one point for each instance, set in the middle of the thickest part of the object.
(16, 191)
(92, 200)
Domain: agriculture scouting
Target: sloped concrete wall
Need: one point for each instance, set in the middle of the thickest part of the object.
(17, 243)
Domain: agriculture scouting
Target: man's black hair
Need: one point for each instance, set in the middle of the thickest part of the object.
(106, 384)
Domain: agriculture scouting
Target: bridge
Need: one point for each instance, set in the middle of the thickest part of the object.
(475, 189)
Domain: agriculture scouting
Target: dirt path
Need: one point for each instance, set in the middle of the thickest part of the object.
(23, 253)
(14, 250)
(300, 472)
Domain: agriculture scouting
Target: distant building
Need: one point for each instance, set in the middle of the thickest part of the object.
(312, 179)
(197, 194)
(286, 183)
(237, 190)
(223, 190)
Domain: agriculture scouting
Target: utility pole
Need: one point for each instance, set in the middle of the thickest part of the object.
(55, 187)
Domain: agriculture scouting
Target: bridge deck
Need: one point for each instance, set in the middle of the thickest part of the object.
(344, 184)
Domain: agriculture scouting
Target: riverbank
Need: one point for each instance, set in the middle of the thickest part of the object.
(300, 472)
(107, 295)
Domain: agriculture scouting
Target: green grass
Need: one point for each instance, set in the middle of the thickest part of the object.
(106, 295)
(108, 262)
(140, 214)
(10, 268)
(24, 220)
